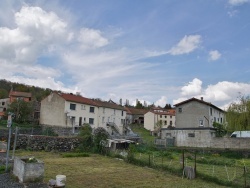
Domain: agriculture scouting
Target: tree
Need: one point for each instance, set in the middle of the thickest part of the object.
(158, 126)
(220, 130)
(139, 105)
(3, 93)
(100, 139)
(21, 109)
(238, 115)
(168, 106)
(86, 138)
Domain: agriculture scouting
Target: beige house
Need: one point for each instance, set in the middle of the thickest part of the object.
(194, 123)
(72, 111)
(159, 118)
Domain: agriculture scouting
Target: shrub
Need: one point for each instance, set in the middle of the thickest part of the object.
(75, 155)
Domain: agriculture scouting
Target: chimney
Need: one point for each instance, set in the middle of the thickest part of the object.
(202, 98)
(121, 101)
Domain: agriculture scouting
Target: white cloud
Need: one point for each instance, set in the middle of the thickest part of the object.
(237, 2)
(220, 94)
(161, 102)
(192, 88)
(91, 38)
(186, 45)
(214, 55)
(37, 31)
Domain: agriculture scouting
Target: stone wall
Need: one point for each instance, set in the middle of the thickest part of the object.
(47, 143)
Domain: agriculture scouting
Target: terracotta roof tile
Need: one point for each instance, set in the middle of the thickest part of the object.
(78, 99)
(20, 94)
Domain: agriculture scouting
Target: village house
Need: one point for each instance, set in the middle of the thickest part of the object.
(194, 123)
(72, 111)
(13, 96)
(3, 106)
(135, 116)
(158, 118)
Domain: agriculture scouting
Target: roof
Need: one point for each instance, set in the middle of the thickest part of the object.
(200, 101)
(19, 94)
(108, 104)
(93, 102)
(77, 98)
(136, 111)
(170, 112)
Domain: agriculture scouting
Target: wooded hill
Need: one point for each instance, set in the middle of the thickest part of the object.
(37, 92)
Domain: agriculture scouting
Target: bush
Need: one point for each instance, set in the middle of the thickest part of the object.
(76, 155)
(86, 138)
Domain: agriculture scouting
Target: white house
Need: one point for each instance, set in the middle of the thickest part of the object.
(154, 118)
(71, 111)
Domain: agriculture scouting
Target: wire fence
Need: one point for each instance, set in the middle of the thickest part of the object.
(230, 172)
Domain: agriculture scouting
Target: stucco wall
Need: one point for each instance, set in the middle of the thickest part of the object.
(52, 111)
(204, 139)
(149, 121)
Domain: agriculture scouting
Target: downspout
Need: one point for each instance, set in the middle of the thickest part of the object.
(207, 120)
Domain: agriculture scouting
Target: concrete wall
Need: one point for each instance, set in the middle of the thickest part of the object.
(193, 112)
(116, 116)
(150, 119)
(53, 111)
(204, 139)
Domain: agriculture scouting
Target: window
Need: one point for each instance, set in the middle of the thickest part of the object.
(179, 110)
(221, 120)
(171, 123)
(201, 123)
(103, 110)
(214, 119)
(165, 116)
(168, 134)
(92, 109)
(84, 119)
(170, 117)
(165, 122)
(191, 135)
(72, 106)
(91, 121)
(83, 107)
(122, 112)
(211, 111)
(160, 116)
(3, 103)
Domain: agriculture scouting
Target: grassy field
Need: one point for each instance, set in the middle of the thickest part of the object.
(100, 171)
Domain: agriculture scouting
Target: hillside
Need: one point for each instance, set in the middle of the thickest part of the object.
(37, 92)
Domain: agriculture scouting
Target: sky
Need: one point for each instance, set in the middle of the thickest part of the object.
(160, 52)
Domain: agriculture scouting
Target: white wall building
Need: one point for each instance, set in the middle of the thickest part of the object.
(165, 118)
(70, 111)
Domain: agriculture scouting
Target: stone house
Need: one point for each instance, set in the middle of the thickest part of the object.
(194, 123)
(159, 118)
(135, 116)
(72, 111)
(17, 95)
(3, 106)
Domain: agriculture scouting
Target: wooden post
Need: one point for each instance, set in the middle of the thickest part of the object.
(245, 176)
(195, 163)
(148, 159)
(183, 163)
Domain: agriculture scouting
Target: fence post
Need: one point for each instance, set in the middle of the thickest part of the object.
(183, 165)
(148, 159)
(245, 177)
(195, 163)
(14, 147)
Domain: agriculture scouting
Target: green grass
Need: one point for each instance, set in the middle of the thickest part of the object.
(143, 133)
(99, 171)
